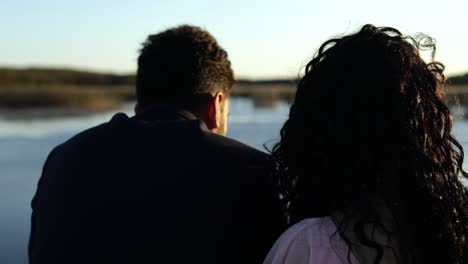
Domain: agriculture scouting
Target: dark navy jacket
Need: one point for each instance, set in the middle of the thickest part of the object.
(154, 188)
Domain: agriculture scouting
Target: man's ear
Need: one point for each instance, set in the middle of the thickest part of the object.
(138, 109)
(214, 113)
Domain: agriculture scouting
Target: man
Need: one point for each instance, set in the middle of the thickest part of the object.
(164, 186)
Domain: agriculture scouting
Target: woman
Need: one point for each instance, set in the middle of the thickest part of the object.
(367, 166)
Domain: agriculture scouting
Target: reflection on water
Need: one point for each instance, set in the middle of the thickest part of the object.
(25, 143)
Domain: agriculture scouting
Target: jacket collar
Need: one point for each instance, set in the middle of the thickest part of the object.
(165, 112)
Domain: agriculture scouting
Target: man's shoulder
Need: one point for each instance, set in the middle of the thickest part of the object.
(103, 128)
(189, 135)
(90, 137)
(232, 146)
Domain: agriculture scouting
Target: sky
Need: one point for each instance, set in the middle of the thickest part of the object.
(264, 39)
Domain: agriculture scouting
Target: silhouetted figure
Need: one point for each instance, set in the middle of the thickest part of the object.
(367, 163)
(164, 186)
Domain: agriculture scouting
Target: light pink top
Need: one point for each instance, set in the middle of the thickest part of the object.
(316, 240)
(310, 241)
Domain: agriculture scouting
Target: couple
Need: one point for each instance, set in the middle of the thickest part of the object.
(366, 171)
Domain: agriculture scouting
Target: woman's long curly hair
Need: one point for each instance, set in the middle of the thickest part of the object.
(370, 123)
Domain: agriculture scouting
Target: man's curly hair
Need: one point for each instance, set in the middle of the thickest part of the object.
(178, 65)
(370, 126)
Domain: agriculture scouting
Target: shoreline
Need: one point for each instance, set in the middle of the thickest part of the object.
(33, 102)
(46, 113)
(45, 100)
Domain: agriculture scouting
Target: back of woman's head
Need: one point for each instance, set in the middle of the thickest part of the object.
(368, 124)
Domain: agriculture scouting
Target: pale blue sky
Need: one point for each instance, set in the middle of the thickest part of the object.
(264, 39)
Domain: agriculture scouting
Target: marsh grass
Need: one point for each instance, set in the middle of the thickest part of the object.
(63, 96)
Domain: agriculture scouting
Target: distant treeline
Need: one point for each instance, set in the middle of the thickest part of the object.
(49, 76)
(46, 76)
(66, 88)
(458, 80)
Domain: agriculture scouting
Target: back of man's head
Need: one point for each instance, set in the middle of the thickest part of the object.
(180, 66)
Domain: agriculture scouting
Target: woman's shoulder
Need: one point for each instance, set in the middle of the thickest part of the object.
(313, 240)
(315, 231)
